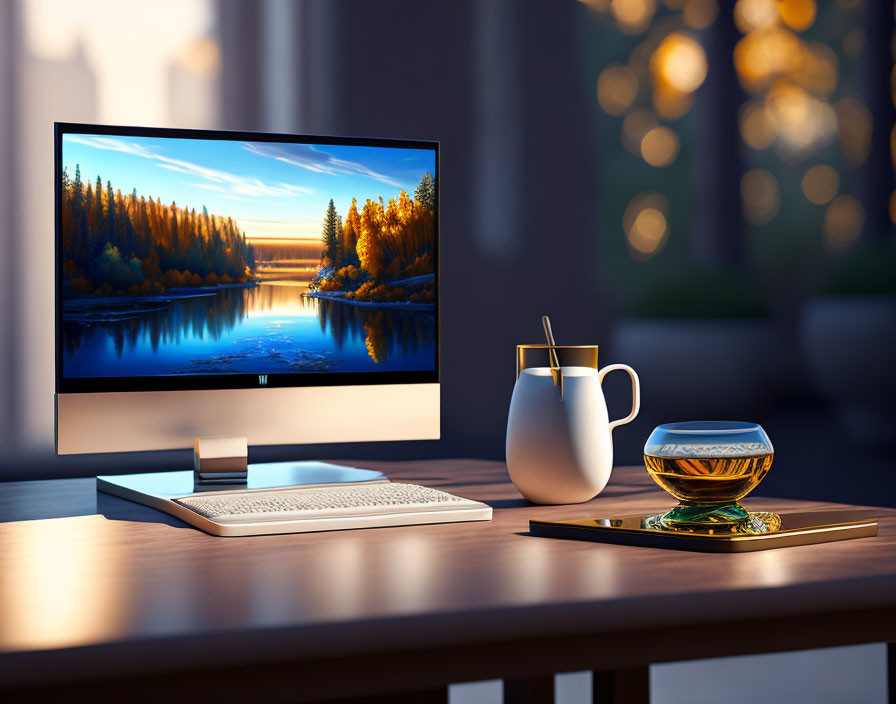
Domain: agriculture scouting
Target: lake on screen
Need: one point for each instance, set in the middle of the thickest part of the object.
(269, 328)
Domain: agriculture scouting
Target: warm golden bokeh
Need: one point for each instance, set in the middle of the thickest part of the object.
(647, 231)
(699, 14)
(750, 15)
(843, 222)
(617, 88)
(797, 14)
(818, 71)
(757, 128)
(635, 125)
(765, 54)
(802, 121)
(670, 104)
(659, 147)
(679, 63)
(854, 124)
(761, 196)
(793, 77)
(645, 225)
(633, 16)
(820, 183)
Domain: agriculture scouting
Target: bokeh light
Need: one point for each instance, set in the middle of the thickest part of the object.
(670, 104)
(763, 55)
(633, 16)
(647, 231)
(802, 121)
(679, 63)
(817, 70)
(854, 124)
(843, 222)
(820, 184)
(617, 88)
(793, 77)
(761, 196)
(757, 128)
(645, 224)
(750, 15)
(659, 147)
(893, 207)
(635, 125)
(699, 14)
(797, 14)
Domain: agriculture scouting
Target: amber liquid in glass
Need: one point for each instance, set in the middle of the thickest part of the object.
(709, 480)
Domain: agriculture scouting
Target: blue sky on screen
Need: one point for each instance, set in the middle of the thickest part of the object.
(272, 189)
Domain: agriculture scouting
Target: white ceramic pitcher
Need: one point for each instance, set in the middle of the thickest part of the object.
(560, 450)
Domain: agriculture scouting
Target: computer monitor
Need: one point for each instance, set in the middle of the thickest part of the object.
(278, 287)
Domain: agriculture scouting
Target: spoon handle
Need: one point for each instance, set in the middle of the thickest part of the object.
(556, 371)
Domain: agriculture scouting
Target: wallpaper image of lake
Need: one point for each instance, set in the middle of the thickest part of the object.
(201, 257)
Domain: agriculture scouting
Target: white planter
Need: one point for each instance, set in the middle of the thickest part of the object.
(560, 451)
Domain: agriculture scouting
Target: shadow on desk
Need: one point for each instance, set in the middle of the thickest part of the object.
(69, 498)
(116, 509)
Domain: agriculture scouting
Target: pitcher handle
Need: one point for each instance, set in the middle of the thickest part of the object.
(636, 391)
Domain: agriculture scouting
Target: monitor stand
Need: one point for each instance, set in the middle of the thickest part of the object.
(272, 475)
(221, 464)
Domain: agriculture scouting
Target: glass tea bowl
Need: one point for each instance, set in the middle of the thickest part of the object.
(709, 466)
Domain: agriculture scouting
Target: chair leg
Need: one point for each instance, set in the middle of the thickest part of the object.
(533, 690)
(629, 685)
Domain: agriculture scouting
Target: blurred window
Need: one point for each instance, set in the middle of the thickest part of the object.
(749, 137)
(126, 62)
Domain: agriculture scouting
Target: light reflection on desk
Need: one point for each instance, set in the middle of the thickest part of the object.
(64, 589)
(770, 568)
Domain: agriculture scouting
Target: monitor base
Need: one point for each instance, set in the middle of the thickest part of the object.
(153, 488)
(167, 491)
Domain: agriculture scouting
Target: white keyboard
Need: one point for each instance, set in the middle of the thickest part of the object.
(331, 507)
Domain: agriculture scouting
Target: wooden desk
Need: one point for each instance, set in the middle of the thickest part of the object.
(98, 595)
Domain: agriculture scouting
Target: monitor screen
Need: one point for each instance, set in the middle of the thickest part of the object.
(197, 260)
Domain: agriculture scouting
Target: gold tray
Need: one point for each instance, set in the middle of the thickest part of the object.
(803, 528)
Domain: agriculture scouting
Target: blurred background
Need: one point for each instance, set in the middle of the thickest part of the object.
(704, 188)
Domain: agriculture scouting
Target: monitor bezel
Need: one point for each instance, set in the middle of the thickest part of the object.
(230, 381)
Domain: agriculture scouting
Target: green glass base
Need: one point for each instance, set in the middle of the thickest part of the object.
(714, 519)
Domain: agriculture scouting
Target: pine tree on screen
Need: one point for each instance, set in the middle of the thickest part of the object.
(329, 235)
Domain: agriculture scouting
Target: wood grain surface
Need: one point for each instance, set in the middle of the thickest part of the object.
(97, 591)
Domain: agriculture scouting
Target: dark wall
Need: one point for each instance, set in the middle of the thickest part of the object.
(503, 87)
